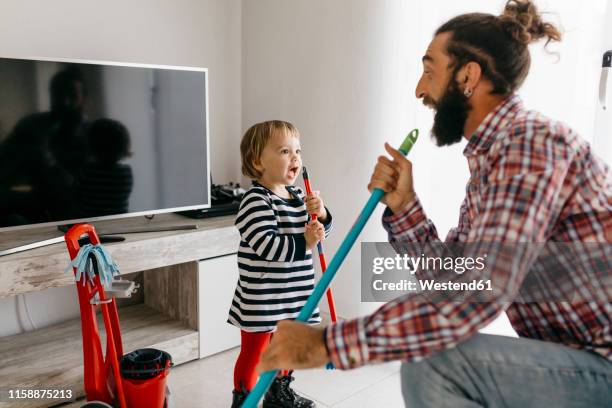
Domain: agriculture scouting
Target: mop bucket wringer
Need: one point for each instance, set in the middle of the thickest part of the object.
(134, 380)
(144, 373)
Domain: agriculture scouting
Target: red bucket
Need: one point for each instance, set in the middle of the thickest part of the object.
(144, 373)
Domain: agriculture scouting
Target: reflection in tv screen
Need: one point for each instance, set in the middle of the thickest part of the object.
(81, 141)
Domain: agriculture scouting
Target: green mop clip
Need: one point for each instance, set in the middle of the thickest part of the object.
(267, 378)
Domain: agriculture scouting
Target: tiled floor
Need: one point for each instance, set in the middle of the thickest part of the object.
(208, 383)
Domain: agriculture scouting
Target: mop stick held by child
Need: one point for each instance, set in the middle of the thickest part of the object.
(275, 253)
(322, 260)
(266, 378)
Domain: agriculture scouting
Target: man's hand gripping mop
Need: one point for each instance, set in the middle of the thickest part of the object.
(267, 378)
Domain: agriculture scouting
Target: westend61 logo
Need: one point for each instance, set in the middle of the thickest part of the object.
(486, 271)
(387, 274)
(411, 264)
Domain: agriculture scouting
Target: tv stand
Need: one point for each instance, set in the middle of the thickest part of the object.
(33, 245)
(104, 239)
(108, 232)
(146, 247)
(181, 308)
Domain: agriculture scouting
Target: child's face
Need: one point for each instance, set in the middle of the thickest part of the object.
(281, 161)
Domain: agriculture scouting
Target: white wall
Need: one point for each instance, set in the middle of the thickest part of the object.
(603, 119)
(566, 89)
(205, 33)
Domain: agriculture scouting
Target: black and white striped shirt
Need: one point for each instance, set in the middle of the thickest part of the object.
(276, 269)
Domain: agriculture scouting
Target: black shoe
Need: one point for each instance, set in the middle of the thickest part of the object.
(280, 395)
(238, 398)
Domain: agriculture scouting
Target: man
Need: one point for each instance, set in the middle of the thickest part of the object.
(533, 180)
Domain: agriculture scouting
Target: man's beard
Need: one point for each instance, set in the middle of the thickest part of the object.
(451, 113)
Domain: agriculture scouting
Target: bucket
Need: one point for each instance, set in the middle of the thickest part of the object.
(144, 373)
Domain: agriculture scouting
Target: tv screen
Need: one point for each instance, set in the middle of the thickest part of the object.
(89, 140)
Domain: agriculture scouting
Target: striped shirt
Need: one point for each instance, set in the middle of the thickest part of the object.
(532, 180)
(276, 269)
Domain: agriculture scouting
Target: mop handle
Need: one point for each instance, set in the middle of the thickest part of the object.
(266, 379)
(322, 261)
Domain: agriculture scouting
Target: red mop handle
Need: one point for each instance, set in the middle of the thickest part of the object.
(96, 370)
(322, 261)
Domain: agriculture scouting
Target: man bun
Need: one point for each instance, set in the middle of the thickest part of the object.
(522, 21)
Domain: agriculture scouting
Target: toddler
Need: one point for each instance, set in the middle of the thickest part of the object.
(275, 253)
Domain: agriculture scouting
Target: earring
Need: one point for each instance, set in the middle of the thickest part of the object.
(468, 93)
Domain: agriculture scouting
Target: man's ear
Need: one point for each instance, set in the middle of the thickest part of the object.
(469, 76)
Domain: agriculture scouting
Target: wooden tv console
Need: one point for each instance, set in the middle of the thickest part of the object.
(173, 269)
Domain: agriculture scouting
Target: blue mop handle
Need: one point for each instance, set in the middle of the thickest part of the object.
(266, 379)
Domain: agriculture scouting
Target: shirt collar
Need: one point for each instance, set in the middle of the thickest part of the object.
(290, 189)
(484, 136)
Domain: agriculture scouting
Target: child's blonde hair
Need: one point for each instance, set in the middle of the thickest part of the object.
(254, 141)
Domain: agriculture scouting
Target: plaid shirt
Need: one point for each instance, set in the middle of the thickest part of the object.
(533, 180)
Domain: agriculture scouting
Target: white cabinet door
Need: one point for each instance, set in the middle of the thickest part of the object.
(217, 279)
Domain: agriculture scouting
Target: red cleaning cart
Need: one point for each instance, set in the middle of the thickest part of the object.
(143, 383)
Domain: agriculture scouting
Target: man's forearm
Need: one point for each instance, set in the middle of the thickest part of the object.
(405, 329)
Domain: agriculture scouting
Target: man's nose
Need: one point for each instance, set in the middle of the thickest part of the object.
(420, 89)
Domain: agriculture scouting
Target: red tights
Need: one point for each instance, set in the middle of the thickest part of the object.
(252, 346)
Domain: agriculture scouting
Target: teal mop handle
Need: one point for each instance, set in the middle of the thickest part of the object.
(266, 379)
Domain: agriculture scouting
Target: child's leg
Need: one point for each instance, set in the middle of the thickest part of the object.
(251, 347)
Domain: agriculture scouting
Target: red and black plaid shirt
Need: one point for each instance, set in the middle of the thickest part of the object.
(533, 180)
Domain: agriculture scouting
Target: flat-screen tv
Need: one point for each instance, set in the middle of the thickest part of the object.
(85, 141)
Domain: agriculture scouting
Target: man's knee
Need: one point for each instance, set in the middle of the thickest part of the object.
(433, 381)
(413, 373)
(421, 383)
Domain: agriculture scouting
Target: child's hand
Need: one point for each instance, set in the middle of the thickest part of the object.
(313, 233)
(314, 205)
